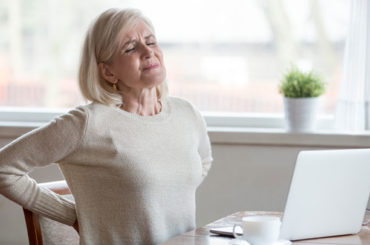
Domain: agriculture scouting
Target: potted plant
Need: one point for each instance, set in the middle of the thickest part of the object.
(301, 91)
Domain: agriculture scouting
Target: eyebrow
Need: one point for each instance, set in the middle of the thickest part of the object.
(134, 40)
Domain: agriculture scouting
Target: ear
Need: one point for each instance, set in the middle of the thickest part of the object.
(106, 73)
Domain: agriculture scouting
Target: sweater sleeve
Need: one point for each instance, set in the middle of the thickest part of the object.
(204, 147)
(40, 147)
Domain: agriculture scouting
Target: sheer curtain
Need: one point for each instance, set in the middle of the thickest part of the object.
(353, 108)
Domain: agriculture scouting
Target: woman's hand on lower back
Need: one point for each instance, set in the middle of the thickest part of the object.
(75, 226)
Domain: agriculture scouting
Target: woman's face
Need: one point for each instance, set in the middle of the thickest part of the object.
(138, 64)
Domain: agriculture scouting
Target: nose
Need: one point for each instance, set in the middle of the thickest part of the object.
(147, 52)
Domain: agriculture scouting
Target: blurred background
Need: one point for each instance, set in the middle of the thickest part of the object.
(223, 56)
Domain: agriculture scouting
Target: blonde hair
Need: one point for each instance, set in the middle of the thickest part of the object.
(100, 44)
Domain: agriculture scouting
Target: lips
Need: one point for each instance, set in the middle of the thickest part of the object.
(150, 67)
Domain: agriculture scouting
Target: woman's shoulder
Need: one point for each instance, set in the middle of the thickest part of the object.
(80, 112)
(78, 115)
(92, 107)
(183, 105)
(180, 102)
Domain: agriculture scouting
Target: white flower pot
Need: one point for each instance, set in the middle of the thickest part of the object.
(300, 114)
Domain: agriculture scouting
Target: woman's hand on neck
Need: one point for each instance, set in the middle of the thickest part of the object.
(144, 102)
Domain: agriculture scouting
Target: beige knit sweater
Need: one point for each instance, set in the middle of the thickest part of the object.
(133, 177)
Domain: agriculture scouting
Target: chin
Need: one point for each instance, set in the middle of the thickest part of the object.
(155, 80)
(157, 83)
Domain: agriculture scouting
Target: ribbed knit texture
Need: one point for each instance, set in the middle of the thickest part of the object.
(133, 177)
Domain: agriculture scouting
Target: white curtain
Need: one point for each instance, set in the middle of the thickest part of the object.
(353, 108)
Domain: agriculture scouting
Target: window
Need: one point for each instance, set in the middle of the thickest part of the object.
(224, 56)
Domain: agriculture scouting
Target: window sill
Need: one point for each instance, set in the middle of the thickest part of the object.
(16, 129)
(248, 129)
(242, 135)
(279, 137)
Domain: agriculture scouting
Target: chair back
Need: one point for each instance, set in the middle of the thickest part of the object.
(44, 231)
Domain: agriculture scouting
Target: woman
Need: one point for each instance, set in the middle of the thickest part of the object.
(133, 158)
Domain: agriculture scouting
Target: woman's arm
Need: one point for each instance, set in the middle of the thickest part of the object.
(75, 226)
(204, 147)
(38, 148)
(204, 150)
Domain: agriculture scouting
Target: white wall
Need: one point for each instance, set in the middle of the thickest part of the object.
(252, 174)
(245, 177)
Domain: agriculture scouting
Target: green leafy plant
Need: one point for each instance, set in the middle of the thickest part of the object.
(298, 84)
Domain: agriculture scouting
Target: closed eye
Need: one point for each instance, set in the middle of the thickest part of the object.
(129, 50)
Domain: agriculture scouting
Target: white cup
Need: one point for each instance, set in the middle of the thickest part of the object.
(259, 230)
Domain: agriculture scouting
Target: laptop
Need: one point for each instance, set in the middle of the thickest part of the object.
(328, 194)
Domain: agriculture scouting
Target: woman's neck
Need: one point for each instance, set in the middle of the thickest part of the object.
(143, 102)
